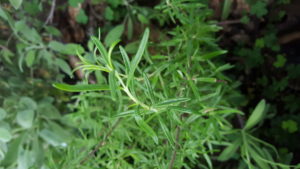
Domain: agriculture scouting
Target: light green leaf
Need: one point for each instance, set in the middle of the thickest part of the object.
(5, 135)
(114, 35)
(213, 54)
(80, 87)
(146, 128)
(207, 79)
(125, 59)
(81, 17)
(30, 57)
(25, 118)
(26, 103)
(149, 87)
(3, 14)
(16, 3)
(2, 114)
(172, 101)
(64, 66)
(101, 48)
(137, 58)
(256, 115)
(112, 84)
(52, 138)
(166, 132)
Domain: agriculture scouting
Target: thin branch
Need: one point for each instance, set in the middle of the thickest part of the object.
(50, 16)
(176, 148)
(101, 143)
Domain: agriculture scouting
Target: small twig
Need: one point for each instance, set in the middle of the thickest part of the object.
(101, 143)
(176, 147)
(229, 22)
(50, 16)
(241, 121)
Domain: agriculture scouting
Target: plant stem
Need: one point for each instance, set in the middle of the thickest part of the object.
(175, 149)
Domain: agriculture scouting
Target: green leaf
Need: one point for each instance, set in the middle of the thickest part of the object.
(2, 114)
(166, 132)
(75, 3)
(290, 125)
(256, 115)
(68, 49)
(229, 151)
(5, 135)
(101, 48)
(207, 79)
(81, 17)
(146, 128)
(52, 138)
(26, 103)
(64, 66)
(3, 14)
(172, 101)
(259, 9)
(114, 35)
(80, 87)
(213, 54)
(25, 118)
(48, 111)
(16, 3)
(109, 13)
(137, 58)
(30, 58)
(280, 61)
(125, 59)
(149, 88)
(113, 84)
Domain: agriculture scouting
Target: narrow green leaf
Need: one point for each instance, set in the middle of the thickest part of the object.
(25, 118)
(166, 132)
(3, 14)
(137, 58)
(113, 84)
(213, 54)
(181, 109)
(149, 88)
(207, 79)
(125, 59)
(146, 128)
(256, 115)
(172, 101)
(101, 48)
(80, 87)
(229, 151)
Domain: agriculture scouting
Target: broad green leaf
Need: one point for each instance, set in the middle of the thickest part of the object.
(114, 35)
(26, 103)
(5, 135)
(137, 58)
(48, 111)
(172, 101)
(80, 87)
(52, 138)
(16, 3)
(81, 17)
(229, 151)
(24, 158)
(25, 118)
(3, 14)
(2, 114)
(30, 58)
(56, 46)
(146, 128)
(256, 115)
(68, 49)
(64, 66)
